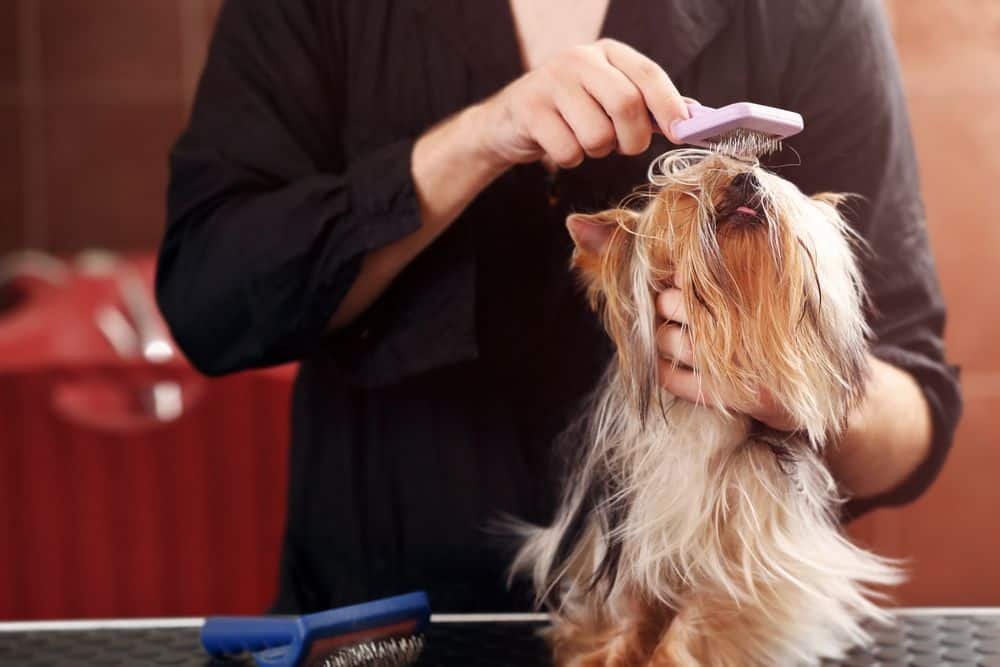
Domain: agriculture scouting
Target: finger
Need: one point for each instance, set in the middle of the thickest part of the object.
(658, 91)
(673, 344)
(551, 132)
(623, 102)
(687, 101)
(670, 305)
(593, 129)
(685, 384)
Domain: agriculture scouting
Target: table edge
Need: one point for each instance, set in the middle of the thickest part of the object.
(196, 621)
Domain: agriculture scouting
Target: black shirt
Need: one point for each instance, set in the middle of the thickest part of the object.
(423, 422)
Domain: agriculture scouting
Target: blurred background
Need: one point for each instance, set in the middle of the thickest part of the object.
(129, 486)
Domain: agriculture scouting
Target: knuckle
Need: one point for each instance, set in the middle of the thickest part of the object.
(629, 104)
(666, 337)
(676, 340)
(664, 303)
(663, 348)
(638, 144)
(637, 147)
(568, 157)
(602, 139)
(578, 55)
(661, 336)
(534, 103)
(648, 69)
(667, 376)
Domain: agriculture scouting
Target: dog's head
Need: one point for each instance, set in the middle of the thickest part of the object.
(772, 291)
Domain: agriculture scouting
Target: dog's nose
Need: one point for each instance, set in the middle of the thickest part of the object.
(745, 184)
(742, 199)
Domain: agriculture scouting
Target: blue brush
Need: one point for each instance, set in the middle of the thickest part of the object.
(384, 633)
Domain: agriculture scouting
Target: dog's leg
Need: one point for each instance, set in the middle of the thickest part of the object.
(679, 645)
(792, 589)
(716, 631)
(625, 640)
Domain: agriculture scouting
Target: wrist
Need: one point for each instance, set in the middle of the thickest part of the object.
(849, 457)
(475, 123)
(450, 166)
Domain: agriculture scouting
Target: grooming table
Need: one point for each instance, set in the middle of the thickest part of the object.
(922, 637)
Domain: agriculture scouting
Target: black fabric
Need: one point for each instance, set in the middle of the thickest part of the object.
(432, 415)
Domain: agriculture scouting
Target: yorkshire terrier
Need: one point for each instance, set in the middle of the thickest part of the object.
(688, 533)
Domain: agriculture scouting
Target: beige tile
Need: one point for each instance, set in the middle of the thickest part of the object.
(131, 43)
(950, 535)
(210, 12)
(948, 46)
(11, 199)
(106, 173)
(960, 168)
(197, 22)
(9, 51)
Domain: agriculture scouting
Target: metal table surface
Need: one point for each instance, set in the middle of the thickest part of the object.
(922, 637)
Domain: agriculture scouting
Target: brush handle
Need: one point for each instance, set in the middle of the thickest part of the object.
(284, 641)
(695, 109)
(226, 635)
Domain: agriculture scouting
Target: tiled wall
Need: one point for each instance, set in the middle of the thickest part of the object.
(950, 52)
(93, 91)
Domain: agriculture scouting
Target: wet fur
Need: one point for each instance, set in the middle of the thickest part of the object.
(689, 534)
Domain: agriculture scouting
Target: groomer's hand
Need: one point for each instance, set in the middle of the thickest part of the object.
(677, 372)
(588, 101)
(888, 433)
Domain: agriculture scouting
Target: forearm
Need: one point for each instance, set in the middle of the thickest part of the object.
(450, 167)
(887, 436)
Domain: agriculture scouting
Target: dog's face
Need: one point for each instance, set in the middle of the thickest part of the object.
(771, 288)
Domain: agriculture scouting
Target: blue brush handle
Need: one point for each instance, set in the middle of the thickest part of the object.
(222, 635)
(284, 641)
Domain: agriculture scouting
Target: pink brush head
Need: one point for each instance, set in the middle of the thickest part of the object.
(743, 130)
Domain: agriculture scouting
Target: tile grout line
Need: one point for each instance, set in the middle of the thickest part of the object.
(31, 107)
(94, 93)
(191, 35)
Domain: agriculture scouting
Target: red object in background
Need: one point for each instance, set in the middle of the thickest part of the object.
(107, 510)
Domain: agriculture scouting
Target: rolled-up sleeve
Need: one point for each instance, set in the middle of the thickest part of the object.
(267, 224)
(846, 83)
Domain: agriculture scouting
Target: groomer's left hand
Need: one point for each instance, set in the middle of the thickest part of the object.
(679, 376)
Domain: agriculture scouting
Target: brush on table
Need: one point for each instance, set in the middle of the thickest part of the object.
(383, 633)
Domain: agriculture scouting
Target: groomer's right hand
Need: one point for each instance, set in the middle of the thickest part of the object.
(588, 101)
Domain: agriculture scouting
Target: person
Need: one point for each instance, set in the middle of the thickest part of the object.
(378, 189)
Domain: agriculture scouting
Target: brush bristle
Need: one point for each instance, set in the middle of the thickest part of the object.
(745, 144)
(393, 652)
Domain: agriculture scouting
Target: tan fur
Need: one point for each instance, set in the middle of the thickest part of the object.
(730, 552)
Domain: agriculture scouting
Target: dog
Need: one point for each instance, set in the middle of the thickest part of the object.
(688, 533)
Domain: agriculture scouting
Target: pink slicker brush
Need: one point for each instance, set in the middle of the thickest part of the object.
(742, 130)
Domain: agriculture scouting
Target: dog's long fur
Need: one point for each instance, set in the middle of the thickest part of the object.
(689, 534)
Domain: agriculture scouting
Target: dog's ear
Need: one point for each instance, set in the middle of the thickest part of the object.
(592, 234)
